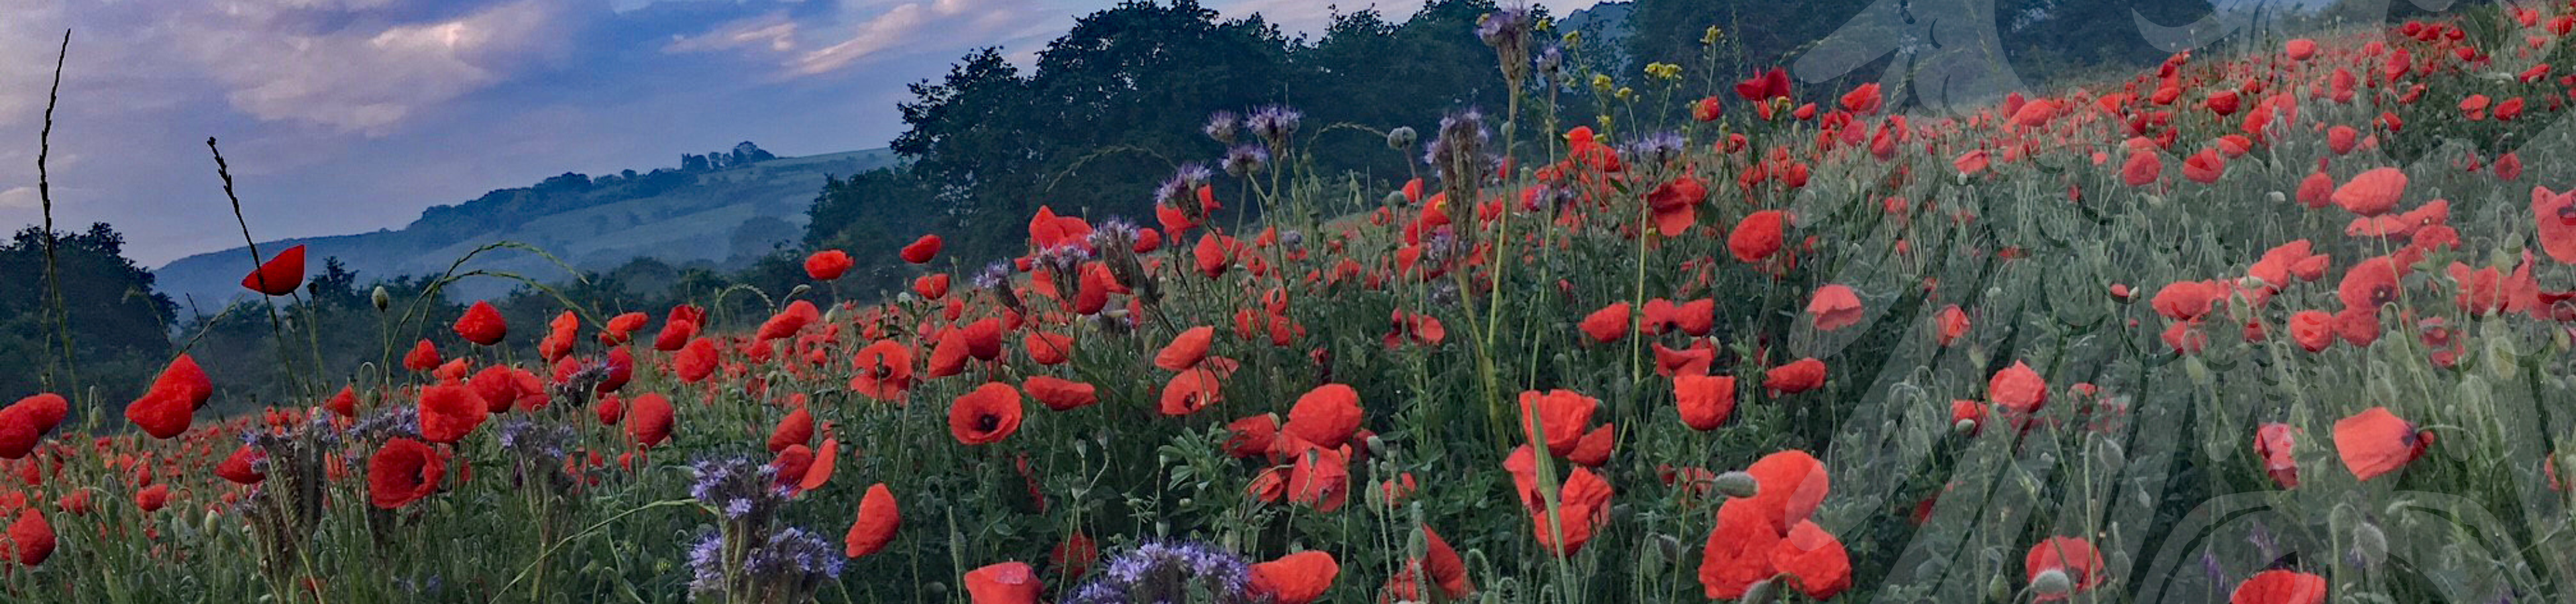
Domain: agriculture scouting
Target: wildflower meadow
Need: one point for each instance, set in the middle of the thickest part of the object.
(2279, 322)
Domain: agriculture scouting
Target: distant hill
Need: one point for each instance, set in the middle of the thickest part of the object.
(701, 213)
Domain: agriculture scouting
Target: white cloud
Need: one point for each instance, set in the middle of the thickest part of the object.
(19, 198)
(368, 78)
(773, 31)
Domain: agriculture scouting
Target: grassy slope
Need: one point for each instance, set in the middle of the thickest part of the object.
(693, 223)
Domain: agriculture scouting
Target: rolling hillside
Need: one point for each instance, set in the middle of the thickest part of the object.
(717, 216)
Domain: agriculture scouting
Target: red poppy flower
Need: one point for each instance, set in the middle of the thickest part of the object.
(2188, 300)
(920, 251)
(1583, 505)
(628, 322)
(238, 467)
(2313, 330)
(166, 409)
(2073, 557)
(931, 287)
(1060, 394)
(819, 472)
(1763, 87)
(2376, 442)
(2273, 443)
(676, 333)
(795, 429)
(2301, 49)
(2372, 193)
(1792, 485)
(879, 517)
(280, 275)
(1813, 561)
(1251, 436)
(1695, 317)
(34, 537)
(2142, 168)
(1595, 447)
(2280, 587)
(1738, 553)
(423, 356)
(1445, 566)
(152, 498)
(1705, 401)
(1004, 583)
(1798, 376)
(26, 422)
(2018, 388)
(1972, 162)
(1296, 578)
(987, 415)
(884, 370)
(1075, 555)
(2370, 284)
(697, 361)
(482, 324)
(1608, 324)
(448, 412)
(1561, 414)
(1834, 307)
(1190, 391)
(1675, 204)
(1326, 416)
(650, 419)
(1320, 478)
(1949, 323)
(1758, 236)
(403, 471)
(2556, 215)
(828, 265)
(1186, 349)
(790, 320)
(2204, 167)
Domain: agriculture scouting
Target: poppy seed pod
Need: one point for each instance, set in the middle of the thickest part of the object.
(1738, 485)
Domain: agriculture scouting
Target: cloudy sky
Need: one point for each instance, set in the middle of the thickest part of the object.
(343, 116)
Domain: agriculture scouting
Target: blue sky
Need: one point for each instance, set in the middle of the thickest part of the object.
(343, 116)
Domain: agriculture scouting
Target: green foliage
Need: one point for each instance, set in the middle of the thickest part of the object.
(116, 320)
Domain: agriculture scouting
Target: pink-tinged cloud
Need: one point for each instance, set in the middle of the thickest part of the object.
(941, 21)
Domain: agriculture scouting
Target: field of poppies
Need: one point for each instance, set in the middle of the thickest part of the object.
(2272, 324)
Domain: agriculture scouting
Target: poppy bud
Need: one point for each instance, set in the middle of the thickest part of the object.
(1738, 485)
(1997, 590)
(1670, 547)
(2369, 544)
(1761, 592)
(2199, 371)
(2276, 196)
(1401, 137)
(2051, 584)
(383, 299)
(1964, 427)
(2111, 455)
